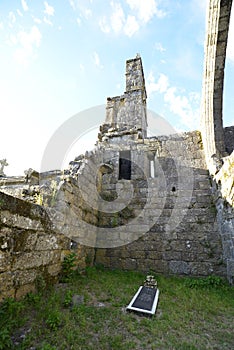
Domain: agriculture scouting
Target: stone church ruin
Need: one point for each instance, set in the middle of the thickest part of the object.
(161, 203)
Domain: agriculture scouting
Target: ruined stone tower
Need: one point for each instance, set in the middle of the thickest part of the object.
(126, 114)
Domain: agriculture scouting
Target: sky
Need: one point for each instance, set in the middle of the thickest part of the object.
(61, 58)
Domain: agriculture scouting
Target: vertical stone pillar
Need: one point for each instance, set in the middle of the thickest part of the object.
(218, 17)
(135, 90)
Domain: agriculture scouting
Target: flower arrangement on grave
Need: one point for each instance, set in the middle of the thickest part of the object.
(150, 281)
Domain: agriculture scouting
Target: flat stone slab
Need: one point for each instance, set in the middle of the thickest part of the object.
(145, 300)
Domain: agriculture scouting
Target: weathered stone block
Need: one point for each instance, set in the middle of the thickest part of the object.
(128, 264)
(103, 260)
(202, 268)
(5, 261)
(34, 259)
(190, 256)
(54, 269)
(117, 263)
(171, 255)
(179, 267)
(22, 277)
(47, 242)
(137, 254)
(154, 255)
(7, 288)
(24, 290)
(30, 241)
(19, 221)
(230, 270)
(160, 266)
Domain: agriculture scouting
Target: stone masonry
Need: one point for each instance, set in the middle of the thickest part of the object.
(172, 202)
(138, 202)
(171, 199)
(161, 203)
(218, 141)
(31, 251)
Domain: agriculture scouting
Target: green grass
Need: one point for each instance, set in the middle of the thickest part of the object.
(192, 314)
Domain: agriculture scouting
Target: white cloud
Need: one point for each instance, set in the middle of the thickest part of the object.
(78, 6)
(131, 26)
(27, 42)
(96, 60)
(118, 22)
(72, 4)
(117, 17)
(37, 20)
(159, 47)
(78, 20)
(19, 13)
(49, 10)
(129, 22)
(145, 9)
(1, 25)
(105, 28)
(12, 18)
(87, 13)
(82, 68)
(47, 21)
(24, 5)
(12, 40)
(161, 86)
(187, 108)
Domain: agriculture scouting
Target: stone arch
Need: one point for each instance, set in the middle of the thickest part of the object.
(218, 18)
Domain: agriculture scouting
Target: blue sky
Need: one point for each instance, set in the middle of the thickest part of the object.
(59, 58)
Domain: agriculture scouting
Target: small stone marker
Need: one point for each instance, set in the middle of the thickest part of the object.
(146, 298)
(3, 163)
(77, 300)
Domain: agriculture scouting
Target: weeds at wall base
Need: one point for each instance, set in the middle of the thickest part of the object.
(68, 266)
(206, 282)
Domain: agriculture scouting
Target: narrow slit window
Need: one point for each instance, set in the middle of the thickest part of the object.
(152, 171)
(125, 165)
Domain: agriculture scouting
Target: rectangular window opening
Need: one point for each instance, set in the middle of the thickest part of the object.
(125, 165)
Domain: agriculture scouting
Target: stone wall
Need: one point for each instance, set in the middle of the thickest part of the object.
(229, 139)
(174, 207)
(35, 187)
(14, 185)
(31, 250)
(133, 202)
(224, 199)
(71, 213)
(183, 237)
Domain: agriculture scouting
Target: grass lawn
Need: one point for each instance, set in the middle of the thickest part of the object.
(191, 314)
